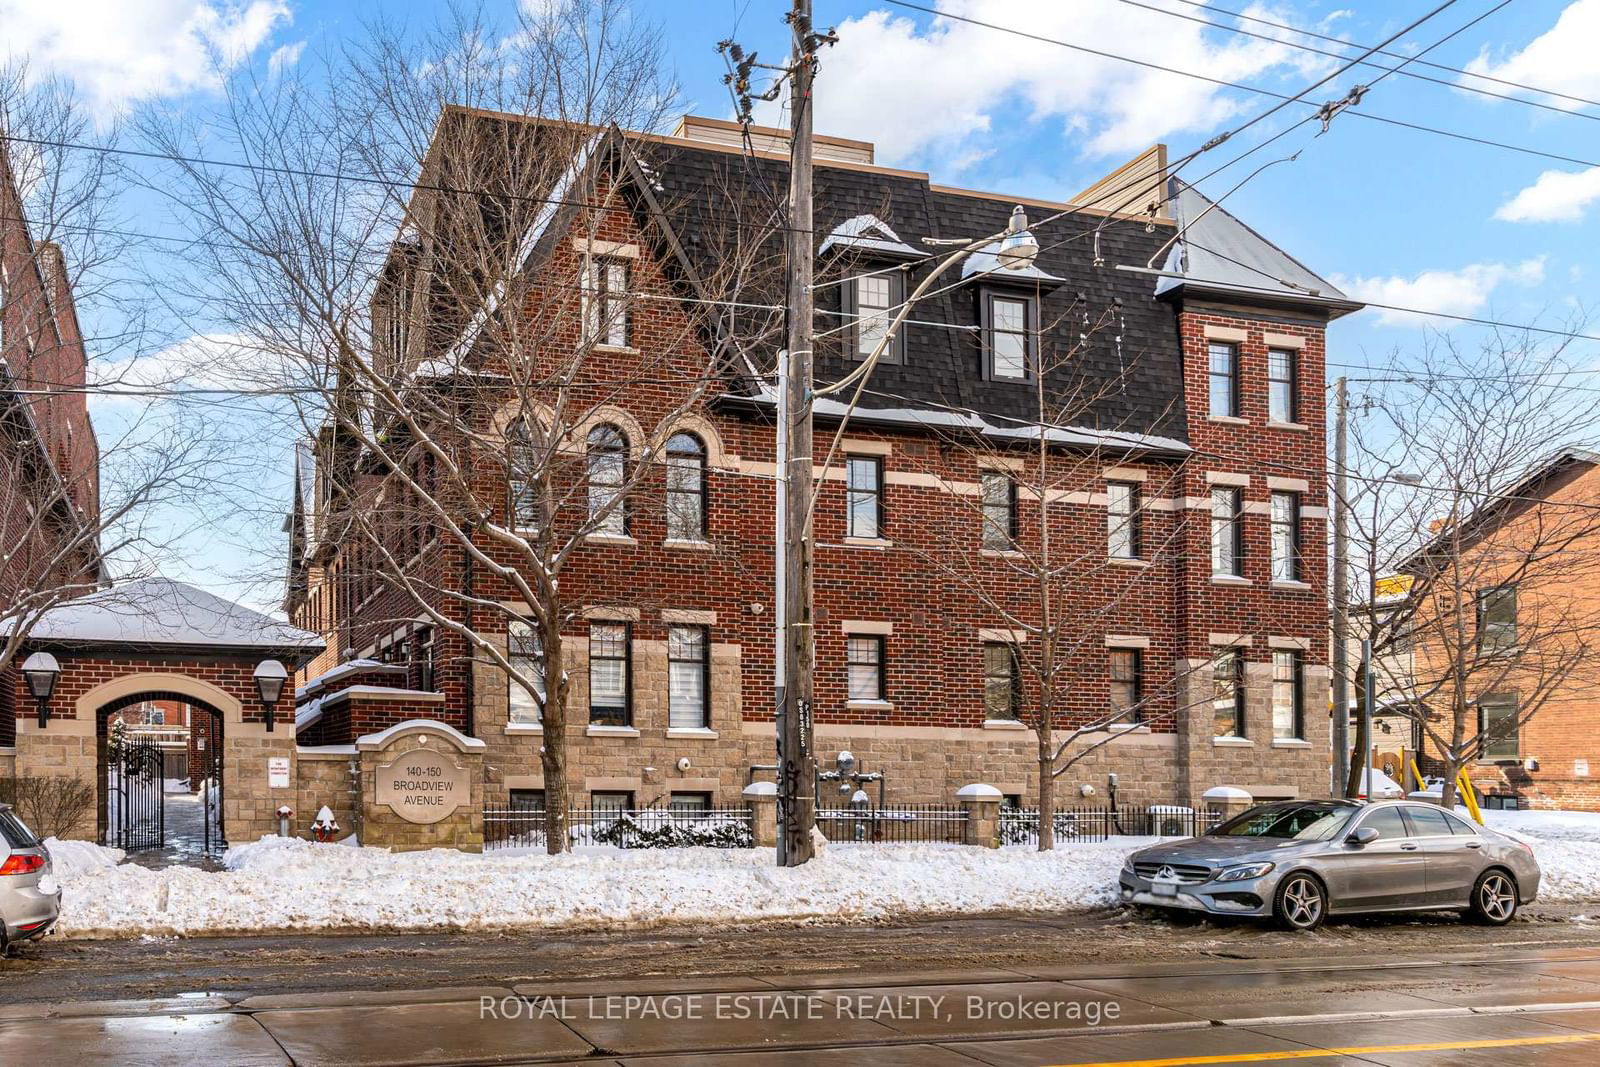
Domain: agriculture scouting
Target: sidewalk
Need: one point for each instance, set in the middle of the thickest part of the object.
(1545, 1005)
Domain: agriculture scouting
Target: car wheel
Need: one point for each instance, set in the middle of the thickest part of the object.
(1494, 898)
(1301, 903)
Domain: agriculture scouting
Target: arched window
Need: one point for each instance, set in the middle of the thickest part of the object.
(608, 451)
(686, 488)
(523, 475)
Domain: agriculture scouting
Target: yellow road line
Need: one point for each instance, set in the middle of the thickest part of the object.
(1356, 1050)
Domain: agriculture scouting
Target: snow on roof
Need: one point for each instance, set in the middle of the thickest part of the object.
(529, 241)
(159, 611)
(1215, 251)
(345, 670)
(867, 233)
(971, 421)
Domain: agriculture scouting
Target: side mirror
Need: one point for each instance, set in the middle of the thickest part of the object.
(1364, 836)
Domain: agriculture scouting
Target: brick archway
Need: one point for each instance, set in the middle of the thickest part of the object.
(206, 730)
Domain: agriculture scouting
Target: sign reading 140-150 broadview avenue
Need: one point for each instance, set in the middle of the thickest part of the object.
(422, 786)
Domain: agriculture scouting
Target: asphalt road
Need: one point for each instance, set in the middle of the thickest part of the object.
(1500, 1007)
(58, 970)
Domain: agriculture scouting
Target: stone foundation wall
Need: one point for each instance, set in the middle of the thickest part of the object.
(249, 804)
(8, 762)
(326, 777)
(65, 748)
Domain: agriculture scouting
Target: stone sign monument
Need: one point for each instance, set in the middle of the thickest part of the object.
(421, 787)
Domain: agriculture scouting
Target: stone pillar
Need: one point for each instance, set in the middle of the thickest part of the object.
(1226, 801)
(763, 800)
(982, 804)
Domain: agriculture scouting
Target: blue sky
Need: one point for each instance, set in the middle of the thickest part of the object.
(1395, 214)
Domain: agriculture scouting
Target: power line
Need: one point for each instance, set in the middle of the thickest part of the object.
(1476, 320)
(1284, 98)
(1392, 55)
(1365, 63)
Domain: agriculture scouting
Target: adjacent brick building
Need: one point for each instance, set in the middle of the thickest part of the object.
(49, 461)
(1195, 347)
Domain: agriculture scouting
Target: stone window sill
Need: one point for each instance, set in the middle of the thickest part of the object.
(698, 732)
(1231, 579)
(1292, 586)
(621, 350)
(1228, 420)
(1290, 742)
(686, 544)
(610, 539)
(869, 705)
(612, 731)
(1233, 742)
(1141, 728)
(1300, 426)
(524, 728)
(867, 542)
(1128, 561)
(999, 553)
(1004, 724)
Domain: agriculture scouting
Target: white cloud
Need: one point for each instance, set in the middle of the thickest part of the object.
(933, 91)
(284, 57)
(1557, 196)
(1454, 292)
(1563, 59)
(119, 52)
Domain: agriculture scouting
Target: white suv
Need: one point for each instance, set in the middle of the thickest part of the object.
(30, 897)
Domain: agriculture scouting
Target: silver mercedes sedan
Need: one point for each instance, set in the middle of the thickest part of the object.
(1301, 861)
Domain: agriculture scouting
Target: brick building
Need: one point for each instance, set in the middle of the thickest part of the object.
(1518, 614)
(49, 460)
(1194, 457)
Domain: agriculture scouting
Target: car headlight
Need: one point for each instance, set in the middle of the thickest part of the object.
(1244, 871)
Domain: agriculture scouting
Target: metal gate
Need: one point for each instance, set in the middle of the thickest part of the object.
(138, 820)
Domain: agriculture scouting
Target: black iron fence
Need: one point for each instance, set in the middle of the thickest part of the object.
(1020, 826)
(903, 823)
(641, 828)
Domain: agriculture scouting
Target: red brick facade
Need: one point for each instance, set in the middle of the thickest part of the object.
(899, 588)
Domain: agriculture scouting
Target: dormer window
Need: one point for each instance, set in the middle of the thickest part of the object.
(872, 301)
(1010, 336)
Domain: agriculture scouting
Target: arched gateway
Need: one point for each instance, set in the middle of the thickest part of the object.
(156, 706)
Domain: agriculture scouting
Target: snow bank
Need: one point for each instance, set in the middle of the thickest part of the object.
(281, 884)
(1566, 844)
(70, 859)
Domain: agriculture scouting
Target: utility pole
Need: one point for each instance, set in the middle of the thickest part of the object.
(1341, 594)
(797, 762)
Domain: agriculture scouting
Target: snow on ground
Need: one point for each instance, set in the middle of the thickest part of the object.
(1566, 844)
(281, 884)
(72, 859)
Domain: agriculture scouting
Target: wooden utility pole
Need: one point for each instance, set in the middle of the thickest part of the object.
(1341, 593)
(797, 761)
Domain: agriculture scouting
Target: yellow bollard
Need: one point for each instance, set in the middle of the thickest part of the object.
(1464, 787)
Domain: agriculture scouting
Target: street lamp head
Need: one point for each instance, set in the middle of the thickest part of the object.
(41, 671)
(270, 677)
(1018, 248)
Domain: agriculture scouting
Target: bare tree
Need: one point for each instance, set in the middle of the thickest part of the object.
(441, 265)
(1468, 484)
(1047, 571)
(75, 504)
